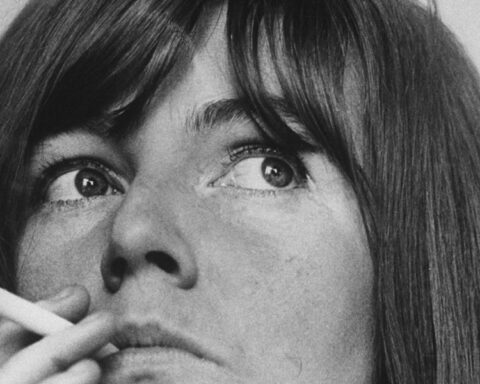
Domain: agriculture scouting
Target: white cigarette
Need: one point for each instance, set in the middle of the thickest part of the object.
(37, 319)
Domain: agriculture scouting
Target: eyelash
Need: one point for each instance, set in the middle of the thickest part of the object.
(246, 151)
(53, 169)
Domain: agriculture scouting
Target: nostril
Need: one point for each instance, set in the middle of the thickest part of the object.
(164, 261)
(118, 267)
(113, 273)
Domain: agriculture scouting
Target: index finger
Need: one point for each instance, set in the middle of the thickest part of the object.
(71, 303)
(57, 352)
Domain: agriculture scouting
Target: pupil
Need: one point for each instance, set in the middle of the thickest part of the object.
(277, 173)
(91, 183)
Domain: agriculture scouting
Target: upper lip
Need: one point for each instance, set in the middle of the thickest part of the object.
(153, 334)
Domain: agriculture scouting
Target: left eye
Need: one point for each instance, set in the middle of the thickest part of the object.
(80, 184)
(262, 173)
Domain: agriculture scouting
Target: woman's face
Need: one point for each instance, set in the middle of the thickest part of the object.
(200, 236)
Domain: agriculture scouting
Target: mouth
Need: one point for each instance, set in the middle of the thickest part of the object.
(151, 337)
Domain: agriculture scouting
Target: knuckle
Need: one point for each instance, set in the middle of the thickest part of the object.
(7, 328)
(60, 363)
(13, 339)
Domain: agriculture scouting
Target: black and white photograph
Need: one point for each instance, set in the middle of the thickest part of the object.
(239, 192)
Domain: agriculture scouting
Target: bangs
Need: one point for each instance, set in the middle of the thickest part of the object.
(326, 56)
(309, 44)
(101, 62)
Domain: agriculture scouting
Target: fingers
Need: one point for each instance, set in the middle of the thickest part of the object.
(84, 372)
(71, 303)
(12, 338)
(56, 353)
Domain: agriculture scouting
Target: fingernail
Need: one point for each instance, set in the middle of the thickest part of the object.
(63, 294)
(84, 367)
(94, 317)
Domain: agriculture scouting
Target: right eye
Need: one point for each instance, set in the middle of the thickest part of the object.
(80, 180)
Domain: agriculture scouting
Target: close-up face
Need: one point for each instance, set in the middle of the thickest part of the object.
(225, 258)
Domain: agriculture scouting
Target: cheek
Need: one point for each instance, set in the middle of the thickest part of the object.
(302, 284)
(62, 249)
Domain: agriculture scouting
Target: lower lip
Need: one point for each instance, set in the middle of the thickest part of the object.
(157, 365)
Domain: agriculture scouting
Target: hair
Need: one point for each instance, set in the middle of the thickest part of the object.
(414, 161)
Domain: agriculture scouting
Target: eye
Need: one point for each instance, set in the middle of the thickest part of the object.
(263, 169)
(77, 180)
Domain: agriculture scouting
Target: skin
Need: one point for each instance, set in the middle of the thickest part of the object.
(278, 284)
(59, 358)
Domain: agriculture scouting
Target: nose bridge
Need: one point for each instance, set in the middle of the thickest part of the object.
(140, 220)
(145, 234)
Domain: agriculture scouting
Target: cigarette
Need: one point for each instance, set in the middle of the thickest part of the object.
(38, 320)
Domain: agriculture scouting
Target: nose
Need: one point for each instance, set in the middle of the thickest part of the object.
(144, 235)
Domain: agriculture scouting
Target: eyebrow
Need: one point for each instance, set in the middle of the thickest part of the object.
(201, 119)
(209, 116)
(222, 113)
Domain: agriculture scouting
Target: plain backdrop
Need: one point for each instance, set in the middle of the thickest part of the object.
(462, 16)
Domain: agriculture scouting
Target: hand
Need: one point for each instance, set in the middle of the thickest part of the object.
(61, 358)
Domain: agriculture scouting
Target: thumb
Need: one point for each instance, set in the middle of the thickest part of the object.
(71, 303)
